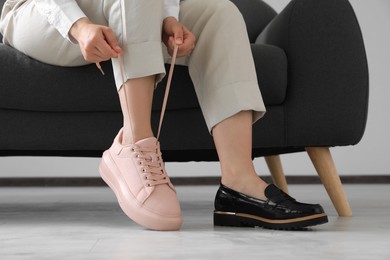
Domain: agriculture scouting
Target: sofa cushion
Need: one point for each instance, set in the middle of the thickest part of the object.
(27, 84)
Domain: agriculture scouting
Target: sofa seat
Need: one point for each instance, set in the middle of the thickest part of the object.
(55, 89)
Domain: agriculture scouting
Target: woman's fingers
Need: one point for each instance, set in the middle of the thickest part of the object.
(185, 48)
(107, 45)
(111, 41)
(98, 43)
(104, 51)
(175, 33)
(188, 43)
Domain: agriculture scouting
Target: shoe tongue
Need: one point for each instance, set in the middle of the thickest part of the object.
(147, 142)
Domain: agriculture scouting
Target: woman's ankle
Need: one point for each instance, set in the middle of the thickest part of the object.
(250, 185)
(131, 138)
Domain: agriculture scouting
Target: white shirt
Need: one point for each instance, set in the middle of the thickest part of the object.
(62, 14)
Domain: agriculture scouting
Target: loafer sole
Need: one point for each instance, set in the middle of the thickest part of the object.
(233, 219)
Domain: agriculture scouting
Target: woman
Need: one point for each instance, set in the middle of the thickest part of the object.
(212, 41)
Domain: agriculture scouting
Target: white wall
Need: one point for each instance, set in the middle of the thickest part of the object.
(371, 156)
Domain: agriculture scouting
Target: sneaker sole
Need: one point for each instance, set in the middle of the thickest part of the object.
(246, 220)
(129, 205)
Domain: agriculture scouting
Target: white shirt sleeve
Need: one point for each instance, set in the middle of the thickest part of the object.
(171, 8)
(62, 14)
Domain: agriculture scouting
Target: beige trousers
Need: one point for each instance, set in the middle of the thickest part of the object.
(221, 65)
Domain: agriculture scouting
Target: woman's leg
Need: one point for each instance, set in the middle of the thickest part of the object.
(133, 165)
(25, 29)
(136, 97)
(139, 34)
(224, 76)
(222, 69)
(233, 140)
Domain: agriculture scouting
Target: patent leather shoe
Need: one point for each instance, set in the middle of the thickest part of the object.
(279, 211)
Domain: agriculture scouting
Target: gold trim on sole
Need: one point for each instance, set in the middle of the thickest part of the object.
(278, 221)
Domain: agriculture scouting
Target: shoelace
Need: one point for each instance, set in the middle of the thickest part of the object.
(151, 164)
(150, 157)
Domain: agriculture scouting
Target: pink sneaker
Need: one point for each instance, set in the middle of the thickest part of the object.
(137, 176)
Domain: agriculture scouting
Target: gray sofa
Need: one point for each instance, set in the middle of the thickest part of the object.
(312, 70)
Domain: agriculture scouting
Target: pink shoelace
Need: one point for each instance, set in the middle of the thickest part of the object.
(152, 166)
(150, 157)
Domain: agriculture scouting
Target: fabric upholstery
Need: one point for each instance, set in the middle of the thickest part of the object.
(257, 14)
(70, 89)
(327, 68)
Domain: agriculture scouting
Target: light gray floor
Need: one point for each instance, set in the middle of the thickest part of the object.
(86, 223)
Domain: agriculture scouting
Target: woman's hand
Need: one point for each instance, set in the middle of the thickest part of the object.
(176, 33)
(97, 43)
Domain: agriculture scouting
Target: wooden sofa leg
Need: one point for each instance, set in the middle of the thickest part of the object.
(326, 169)
(275, 167)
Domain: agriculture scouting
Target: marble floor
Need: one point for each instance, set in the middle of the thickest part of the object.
(87, 223)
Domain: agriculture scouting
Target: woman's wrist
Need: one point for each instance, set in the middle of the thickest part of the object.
(77, 26)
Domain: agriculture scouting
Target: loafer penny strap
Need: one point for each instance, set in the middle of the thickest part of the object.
(276, 195)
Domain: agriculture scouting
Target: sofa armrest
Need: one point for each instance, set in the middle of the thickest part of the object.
(271, 69)
(257, 14)
(327, 93)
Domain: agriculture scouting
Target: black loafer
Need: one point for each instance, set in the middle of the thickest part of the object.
(279, 211)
